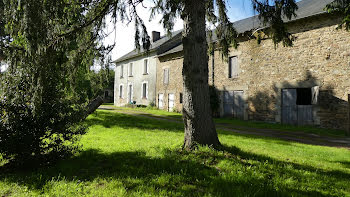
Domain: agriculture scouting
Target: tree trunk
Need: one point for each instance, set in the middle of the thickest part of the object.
(197, 116)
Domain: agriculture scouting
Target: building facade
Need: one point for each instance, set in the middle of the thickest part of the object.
(306, 84)
(135, 72)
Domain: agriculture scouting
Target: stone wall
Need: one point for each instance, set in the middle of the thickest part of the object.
(320, 57)
(175, 86)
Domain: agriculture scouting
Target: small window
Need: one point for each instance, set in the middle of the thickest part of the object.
(233, 67)
(130, 70)
(144, 90)
(166, 76)
(121, 91)
(145, 66)
(106, 94)
(304, 96)
(181, 98)
(121, 71)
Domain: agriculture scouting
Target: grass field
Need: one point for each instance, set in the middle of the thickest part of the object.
(133, 156)
(251, 124)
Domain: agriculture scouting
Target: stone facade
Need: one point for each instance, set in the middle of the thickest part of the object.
(132, 85)
(173, 62)
(319, 59)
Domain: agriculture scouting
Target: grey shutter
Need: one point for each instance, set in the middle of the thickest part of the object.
(234, 67)
(166, 76)
(121, 70)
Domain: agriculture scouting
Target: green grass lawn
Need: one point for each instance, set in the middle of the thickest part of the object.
(134, 156)
(251, 124)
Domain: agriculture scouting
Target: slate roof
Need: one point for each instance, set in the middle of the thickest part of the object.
(154, 46)
(306, 8)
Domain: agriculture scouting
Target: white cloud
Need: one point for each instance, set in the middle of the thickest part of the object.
(124, 34)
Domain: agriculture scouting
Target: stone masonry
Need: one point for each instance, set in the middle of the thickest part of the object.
(319, 58)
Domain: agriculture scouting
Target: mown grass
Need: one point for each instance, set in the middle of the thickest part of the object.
(250, 124)
(134, 156)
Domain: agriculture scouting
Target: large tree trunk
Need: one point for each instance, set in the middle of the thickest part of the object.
(198, 121)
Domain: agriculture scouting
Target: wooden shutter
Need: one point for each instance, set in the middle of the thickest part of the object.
(130, 69)
(234, 67)
(166, 76)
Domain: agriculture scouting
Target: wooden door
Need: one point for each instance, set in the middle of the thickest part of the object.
(238, 105)
(160, 101)
(228, 103)
(289, 106)
(171, 102)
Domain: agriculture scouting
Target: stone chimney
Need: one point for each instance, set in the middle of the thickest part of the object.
(155, 36)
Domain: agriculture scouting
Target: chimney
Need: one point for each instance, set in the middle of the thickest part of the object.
(155, 36)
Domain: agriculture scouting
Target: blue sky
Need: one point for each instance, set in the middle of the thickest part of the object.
(239, 9)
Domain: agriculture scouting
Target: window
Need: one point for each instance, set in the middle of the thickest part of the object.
(181, 98)
(233, 67)
(166, 76)
(304, 96)
(121, 71)
(145, 67)
(144, 90)
(106, 94)
(130, 69)
(121, 91)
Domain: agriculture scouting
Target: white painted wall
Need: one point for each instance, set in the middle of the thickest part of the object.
(136, 80)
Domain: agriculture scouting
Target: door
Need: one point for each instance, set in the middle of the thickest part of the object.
(238, 105)
(160, 101)
(130, 94)
(228, 103)
(171, 102)
(289, 106)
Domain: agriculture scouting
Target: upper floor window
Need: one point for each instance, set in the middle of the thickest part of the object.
(181, 97)
(121, 71)
(130, 70)
(166, 76)
(233, 67)
(145, 66)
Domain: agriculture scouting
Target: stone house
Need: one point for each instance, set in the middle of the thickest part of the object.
(307, 84)
(135, 72)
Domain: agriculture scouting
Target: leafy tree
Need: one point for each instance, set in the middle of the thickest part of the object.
(342, 8)
(41, 114)
(199, 125)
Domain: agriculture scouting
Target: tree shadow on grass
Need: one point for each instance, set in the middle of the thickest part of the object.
(181, 173)
(109, 120)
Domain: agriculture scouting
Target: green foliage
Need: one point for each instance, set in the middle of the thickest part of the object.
(341, 7)
(272, 15)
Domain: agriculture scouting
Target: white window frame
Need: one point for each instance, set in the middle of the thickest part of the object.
(130, 69)
(144, 82)
(121, 87)
(146, 66)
